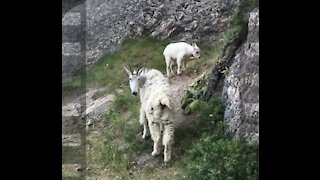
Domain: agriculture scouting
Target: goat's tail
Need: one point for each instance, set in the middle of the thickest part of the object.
(165, 102)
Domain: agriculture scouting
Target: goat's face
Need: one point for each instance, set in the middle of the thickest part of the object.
(134, 83)
(196, 51)
(134, 80)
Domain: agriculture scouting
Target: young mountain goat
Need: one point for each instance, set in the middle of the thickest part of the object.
(156, 108)
(181, 52)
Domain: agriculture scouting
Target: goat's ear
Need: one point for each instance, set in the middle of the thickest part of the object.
(195, 46)
(140, 71)
(165, 102)
(128, 71)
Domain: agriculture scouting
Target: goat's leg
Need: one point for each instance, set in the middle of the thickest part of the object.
(167, 152)
(143, 121)
(156, 137)
(168, 65)
(183, 62)
(171, 67)
(167, 142)
(179, 61)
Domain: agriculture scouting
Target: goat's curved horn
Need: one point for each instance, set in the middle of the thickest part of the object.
(128, 71)
(130, 68)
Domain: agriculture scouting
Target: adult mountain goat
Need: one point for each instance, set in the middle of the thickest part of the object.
(156, 108)
(179, 52)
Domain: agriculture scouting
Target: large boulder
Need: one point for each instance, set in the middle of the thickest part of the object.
(241, 86)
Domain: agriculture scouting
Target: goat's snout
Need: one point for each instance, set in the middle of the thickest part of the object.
(134, 93)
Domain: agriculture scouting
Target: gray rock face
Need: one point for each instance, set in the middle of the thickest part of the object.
(86, 107)
(73, 41)
(69, 4)
(109, 23)
(241, 89)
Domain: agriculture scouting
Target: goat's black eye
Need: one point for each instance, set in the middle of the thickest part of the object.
(138, 79)
(129, 79)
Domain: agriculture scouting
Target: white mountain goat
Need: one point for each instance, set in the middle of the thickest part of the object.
(179, 52)
(156, 109)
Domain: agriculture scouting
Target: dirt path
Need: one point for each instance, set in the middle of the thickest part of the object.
(179, 85)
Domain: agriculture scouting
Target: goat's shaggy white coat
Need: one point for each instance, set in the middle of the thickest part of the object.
(156, 109)
(180, 52)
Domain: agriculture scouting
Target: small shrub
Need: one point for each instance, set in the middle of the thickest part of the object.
(213, 158)
(191, 101)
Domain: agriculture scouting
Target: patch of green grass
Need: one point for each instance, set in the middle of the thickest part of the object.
(209, 51)
(122, 143)
(108, 71)
(130, 127)
(112, 158)
(131, 135)
(125, 101)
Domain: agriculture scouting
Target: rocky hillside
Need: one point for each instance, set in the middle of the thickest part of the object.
(109, 23)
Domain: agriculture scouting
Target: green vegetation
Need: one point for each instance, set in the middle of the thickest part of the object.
(226, 71)
(108, 72)
(191, 100)
(241, 16)
(215, 156)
